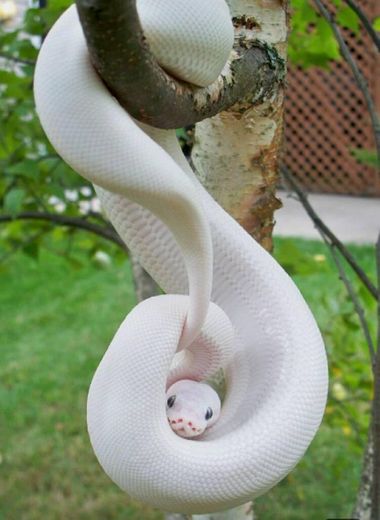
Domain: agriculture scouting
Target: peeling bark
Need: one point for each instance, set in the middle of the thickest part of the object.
(236, 152)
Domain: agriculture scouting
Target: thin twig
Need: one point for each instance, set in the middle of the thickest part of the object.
(334, 244)
(378, 293)
(36, 197)
(358, 307)
(359, 78)
(16, 59)
(346, 414)
(323, 228)
(106, 232)
(23, 244)
(365, 21)
(376, 407)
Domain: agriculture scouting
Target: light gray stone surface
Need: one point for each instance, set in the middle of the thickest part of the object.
(352, 219)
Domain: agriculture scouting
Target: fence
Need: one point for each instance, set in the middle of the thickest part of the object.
(326, 119)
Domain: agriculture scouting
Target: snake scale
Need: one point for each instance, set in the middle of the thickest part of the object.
(228, 303)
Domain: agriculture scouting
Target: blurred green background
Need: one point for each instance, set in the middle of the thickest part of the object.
(57, 318)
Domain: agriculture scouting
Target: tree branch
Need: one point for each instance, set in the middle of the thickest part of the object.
(365, 21)
(21, 245)
(121, 56)
(63, 220)
(359, 78)
(362, 508)
(325, 230)
(15, 59)
(370, 482)
(376, 407)
(358, 308)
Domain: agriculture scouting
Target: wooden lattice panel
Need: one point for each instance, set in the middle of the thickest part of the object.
(326, 117)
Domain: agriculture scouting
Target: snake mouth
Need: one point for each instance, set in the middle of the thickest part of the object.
(182, 432)
(185, 430)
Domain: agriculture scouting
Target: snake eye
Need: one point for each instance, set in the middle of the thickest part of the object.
(170, 401)
(209, 414)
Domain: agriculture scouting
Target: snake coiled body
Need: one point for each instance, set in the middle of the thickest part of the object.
(228, 303)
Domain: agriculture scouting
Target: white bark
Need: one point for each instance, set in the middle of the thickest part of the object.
(236, 152)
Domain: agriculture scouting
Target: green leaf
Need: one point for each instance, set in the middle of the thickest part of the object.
(376, 24)
(32, 250)
(75, 263)
(13, 201)
(311, 41)
(367, 157)
(347, 18)
(27, 168)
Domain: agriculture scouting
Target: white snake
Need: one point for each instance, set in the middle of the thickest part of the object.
(258, 327)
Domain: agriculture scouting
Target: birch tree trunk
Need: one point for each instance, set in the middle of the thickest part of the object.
(236, 152)
(363, 506)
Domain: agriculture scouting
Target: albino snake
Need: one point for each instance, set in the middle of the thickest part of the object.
(257, 327)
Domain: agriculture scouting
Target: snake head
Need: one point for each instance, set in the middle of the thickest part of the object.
(191, 407)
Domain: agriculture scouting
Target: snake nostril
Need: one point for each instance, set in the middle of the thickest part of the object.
(190, 423)
(180, 420)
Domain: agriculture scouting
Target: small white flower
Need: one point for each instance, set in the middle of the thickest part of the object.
(71, 195)
(86, 191)
(339, 392)
(84, 206)
(102, 258)
(8, 10)
(319, 258)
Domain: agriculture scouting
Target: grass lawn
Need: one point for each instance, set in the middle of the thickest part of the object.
(56, 321)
